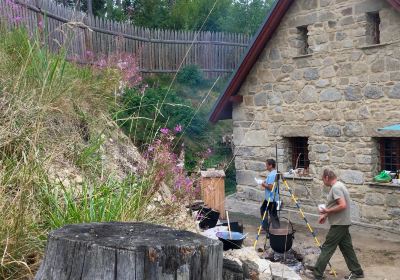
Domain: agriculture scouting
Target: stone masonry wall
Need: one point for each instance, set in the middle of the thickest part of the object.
(337, 96)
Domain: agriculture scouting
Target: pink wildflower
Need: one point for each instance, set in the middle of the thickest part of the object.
(178, 128)
(164, 130)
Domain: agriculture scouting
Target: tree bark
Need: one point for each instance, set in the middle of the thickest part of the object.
(129, 251)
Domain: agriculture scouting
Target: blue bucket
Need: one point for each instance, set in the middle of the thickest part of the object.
(234, 242)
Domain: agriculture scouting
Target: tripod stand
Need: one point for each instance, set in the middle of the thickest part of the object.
(294, 199)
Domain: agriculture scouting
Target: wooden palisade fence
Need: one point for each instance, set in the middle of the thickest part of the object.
(157, 51)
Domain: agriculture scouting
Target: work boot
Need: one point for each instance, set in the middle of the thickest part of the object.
(353, 275)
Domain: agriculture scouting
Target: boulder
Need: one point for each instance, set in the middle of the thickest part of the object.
(247, 262)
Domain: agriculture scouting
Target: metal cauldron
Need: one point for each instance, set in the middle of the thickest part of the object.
(281, 239)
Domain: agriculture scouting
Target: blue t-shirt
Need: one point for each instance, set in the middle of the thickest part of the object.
(270, 181)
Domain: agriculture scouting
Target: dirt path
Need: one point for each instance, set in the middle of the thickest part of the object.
(378, 251)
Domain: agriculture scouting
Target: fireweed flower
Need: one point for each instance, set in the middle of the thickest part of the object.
(178, 128)
(164, 130)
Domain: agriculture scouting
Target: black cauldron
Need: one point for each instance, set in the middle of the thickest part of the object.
(234, 240)
(208, 218)
(281, 239)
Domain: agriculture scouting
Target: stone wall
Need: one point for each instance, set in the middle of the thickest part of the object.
(337, 96)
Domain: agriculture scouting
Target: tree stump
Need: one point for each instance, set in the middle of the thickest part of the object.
(129, 251)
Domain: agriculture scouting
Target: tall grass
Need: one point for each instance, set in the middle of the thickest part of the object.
(111, 200)
(39, 97)
(54, 116)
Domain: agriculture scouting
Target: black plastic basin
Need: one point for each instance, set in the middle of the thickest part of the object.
(233, 241)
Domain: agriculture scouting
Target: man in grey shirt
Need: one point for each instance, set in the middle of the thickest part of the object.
(337, 212)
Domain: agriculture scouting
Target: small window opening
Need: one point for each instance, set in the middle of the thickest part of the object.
(299, 149)
(304, 46)
(373, 31)
(390, 154)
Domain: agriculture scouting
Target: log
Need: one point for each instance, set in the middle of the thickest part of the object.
(129, 251)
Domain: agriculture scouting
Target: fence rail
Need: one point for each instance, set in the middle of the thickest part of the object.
(156, 50)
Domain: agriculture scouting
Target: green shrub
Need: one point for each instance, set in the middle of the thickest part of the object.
(190, 75)
(143, 114)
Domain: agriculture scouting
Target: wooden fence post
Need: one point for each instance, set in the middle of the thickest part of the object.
(88, 39)
(213, 190)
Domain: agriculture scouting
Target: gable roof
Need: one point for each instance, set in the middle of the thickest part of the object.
(223, 107)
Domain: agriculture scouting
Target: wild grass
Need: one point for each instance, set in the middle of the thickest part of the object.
(56, 115)
(41, 97)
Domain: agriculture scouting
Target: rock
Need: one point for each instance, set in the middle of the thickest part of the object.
(374, 199)
(363, 113)
(356, 55)
(332, 131)
(352, 177)
(289, 96)
(310, 115)
(353, 129)
(392, 200)
(246, 177)
(274, 54)
(260, 99)
(352, 93)
(330, 94)
(374, 212)
(232, 269)
(378, 66)
(283, 272)
(309, 5)
(308, 95)
(287, 68)
(394, 212)
(368, 6)
(274, 98)
(328, 72)
(346, 20)
(252, 265)
(322, 83)
(311, 74)
(395, 91)
(372, 92)
(392, 64)
(340, 36)
(320, 148)
(310, 260)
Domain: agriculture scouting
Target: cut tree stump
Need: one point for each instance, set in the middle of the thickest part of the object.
(129, 251)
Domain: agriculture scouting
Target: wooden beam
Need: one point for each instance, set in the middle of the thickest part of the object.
(236, 99)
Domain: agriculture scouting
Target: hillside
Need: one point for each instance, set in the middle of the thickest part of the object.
(63, 158)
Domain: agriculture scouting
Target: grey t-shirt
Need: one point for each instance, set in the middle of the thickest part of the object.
(337, 191)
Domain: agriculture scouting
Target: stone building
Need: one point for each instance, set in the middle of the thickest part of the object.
(319, 79)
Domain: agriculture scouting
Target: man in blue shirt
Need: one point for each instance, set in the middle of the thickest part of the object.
(271, 195)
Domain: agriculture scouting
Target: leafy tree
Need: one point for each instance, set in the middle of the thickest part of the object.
(245, 16)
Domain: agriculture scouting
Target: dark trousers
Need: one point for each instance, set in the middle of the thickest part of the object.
(337, 236)
(273, 214)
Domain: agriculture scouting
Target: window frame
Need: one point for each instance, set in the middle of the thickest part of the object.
(373, 21)
(303, 34)
(298, 144)
(382, 156)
